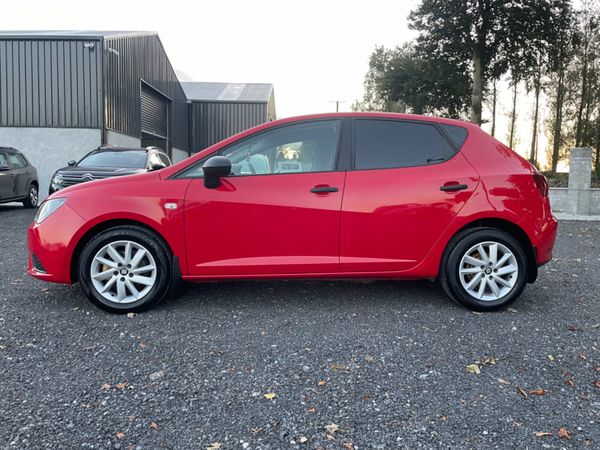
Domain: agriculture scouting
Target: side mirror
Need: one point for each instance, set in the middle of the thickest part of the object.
(72, 163)
(214, 169)
(4, 168)
(154, 167)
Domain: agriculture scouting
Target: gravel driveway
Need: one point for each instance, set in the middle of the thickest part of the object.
(275, 365)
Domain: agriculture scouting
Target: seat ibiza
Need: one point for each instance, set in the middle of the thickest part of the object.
(352, 195)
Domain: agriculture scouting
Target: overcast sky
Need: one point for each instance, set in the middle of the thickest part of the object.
(313, 52)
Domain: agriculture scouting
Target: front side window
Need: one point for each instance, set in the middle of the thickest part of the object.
(383, 144)
(3, 160)
(16, 161)
(303, 147)
(126, 159)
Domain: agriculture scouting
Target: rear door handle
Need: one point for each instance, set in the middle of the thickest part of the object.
(453, 187)
(323, 189)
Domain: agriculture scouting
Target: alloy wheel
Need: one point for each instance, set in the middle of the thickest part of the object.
(488, 271)
(123, 271)
(33, 195)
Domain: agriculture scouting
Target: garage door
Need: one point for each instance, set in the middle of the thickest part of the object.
(155, 113)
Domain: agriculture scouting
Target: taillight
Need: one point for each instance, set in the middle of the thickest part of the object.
(541, 183)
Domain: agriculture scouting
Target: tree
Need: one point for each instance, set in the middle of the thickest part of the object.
(465, 31)
(402, 79)
(589, 28)
(560, 52)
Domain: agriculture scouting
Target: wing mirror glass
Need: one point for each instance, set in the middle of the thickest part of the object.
(4, 168)
(214, 169)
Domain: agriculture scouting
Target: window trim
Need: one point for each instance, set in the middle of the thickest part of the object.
(436, 125)
(342, 126)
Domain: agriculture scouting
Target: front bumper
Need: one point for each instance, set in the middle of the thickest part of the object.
(51, 245)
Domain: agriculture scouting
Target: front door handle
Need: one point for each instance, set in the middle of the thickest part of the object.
(453, 187)
(323, 189)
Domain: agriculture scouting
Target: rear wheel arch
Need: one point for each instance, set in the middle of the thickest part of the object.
(103, 226)
(508, 227)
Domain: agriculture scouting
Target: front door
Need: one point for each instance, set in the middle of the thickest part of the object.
(279, 211)
(407, 186)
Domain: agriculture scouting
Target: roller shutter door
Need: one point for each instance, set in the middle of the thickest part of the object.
(155, 113)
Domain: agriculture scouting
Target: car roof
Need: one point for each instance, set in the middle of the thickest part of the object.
(120, 149)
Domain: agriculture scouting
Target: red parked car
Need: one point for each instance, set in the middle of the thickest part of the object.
(326, 196)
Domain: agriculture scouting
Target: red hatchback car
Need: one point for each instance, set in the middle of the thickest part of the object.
(326, 196)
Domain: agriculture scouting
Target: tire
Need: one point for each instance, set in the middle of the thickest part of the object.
(464, 269)
(33, 195)
(126, 289)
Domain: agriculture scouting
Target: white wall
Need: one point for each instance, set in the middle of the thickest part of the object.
(122, 140)
(49, 149)
(178, 155)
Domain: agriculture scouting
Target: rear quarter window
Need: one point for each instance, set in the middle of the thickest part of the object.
(458, 135)
(382, 144)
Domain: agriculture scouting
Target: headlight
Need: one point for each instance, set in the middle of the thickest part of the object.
(48, 208)
(57, 179)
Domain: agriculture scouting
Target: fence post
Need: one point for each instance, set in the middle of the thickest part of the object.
(580, 179)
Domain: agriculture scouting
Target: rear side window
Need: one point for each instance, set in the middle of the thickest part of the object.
(458, 135)
(16, 161)
(383, 144)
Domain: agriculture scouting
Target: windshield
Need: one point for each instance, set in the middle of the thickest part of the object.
(133, 159)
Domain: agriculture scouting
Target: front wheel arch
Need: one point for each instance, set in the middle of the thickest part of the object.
(103, 226)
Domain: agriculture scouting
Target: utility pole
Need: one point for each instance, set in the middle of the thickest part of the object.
(337, 104)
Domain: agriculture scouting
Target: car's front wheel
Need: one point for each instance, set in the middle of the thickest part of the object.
(124, 269)
(484, 269)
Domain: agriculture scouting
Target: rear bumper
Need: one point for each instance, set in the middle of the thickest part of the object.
(52, 242)
(545, 238)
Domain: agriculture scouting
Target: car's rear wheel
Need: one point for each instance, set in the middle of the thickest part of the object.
(31, 201)
(124, 269)
(484, 269)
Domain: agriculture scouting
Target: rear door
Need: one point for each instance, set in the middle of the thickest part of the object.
(407, 185)
(21, 176)
(6, 176)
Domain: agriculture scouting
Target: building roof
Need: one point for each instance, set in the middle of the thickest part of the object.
(228, 92)
(69, 34)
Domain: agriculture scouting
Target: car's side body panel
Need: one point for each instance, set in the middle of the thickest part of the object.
(391, 223)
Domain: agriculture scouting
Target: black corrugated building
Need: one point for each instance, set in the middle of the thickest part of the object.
(220, 110)
(64, 93)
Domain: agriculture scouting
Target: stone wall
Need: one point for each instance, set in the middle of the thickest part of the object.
(579, 197)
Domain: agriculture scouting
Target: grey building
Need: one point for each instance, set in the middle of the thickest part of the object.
(220, 110)
(64, 93)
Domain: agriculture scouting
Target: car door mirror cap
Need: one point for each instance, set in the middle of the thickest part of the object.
(72, 163)
(4, 168)
(214, 169)
(154, 167)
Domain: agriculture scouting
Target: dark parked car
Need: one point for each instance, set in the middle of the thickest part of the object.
(18, 178)
(108, 162)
